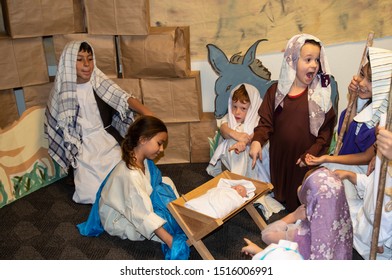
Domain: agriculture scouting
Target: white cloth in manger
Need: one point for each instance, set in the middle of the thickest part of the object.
(223, 199)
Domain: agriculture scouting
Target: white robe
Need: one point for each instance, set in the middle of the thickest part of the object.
(362, 214)
(100, 151)
(125, 207)
(241, 163)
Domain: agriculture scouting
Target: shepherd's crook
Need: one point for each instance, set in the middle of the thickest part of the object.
(352, 98)
(381, 186)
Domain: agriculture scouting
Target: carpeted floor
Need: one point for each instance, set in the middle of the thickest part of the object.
(42, 226)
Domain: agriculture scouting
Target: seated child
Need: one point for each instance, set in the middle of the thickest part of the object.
(363, 210)
(227, 196)
(132, 201)
(324, 230)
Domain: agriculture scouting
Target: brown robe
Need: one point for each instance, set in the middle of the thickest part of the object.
(287, 129)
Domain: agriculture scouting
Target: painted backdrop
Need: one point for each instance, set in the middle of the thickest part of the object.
(234, 25)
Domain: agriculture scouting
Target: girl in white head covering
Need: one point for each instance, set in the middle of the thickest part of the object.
(296, 116)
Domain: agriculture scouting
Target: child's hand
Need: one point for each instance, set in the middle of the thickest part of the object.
(371, 166)
(384, 142)
(255, 152)
(353, 87)
(300, 163)
(312, 160)
(243, 137)
(238, 147)
(250, 249)
(300, 213)
(342, 174)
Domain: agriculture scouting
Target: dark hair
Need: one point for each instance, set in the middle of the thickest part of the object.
(241, 95)
(313, 42)
(367, 67)
(84, 46)
(145, 127)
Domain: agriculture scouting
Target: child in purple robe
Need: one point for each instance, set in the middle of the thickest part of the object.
(321, 226)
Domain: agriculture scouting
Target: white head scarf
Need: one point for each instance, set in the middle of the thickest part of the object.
(252, 116)
(319, 91)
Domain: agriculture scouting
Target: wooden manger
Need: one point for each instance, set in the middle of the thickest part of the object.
(197, 225)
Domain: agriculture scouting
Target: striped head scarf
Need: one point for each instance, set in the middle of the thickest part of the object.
(381, 66)
(62, 112)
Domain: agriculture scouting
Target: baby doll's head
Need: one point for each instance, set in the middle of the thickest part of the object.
(241, 190)
(240, 104)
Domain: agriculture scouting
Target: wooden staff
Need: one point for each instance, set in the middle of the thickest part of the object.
(381, 186)
(352, 99)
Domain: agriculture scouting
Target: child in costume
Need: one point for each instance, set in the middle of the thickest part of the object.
(236, 128)
(359, 149)
(321, 226)
(86, 116)
(296, 116)
(131, 202)
(363, 205)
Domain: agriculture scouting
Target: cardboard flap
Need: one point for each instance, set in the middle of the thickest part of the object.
(22, 62)
(104, 48)
(163, 53)
(9, 111)
(118, 17)
(38, 17)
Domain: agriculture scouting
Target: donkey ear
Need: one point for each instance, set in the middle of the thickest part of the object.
(250, 55)
(217, 58)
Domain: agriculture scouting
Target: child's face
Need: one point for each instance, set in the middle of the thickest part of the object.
(84, 67)
(365, 84)
(241, 190)
(239, 110)
(308, 65)
(153, 147)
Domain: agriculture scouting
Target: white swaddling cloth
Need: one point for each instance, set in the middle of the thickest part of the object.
(221, 200)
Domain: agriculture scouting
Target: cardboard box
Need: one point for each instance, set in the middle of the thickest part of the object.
(118, 17)
(9, 110)
(22, 62)
(165, 52)
(104, 48)
(34, 18)
(130, 86)
(37, 95)
(200, 132)
(173, 99)
(178, 145)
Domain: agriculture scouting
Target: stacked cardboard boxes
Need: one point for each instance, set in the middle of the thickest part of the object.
(151, 62)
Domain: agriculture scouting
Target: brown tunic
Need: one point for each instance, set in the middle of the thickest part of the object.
(287, 129)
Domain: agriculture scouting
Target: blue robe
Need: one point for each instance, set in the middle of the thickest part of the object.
(161, 195)
(354, 144)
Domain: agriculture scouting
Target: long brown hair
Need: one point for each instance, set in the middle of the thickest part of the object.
(145, 127)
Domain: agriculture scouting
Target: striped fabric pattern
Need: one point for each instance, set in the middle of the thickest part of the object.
(62, 112)
(381, 64)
